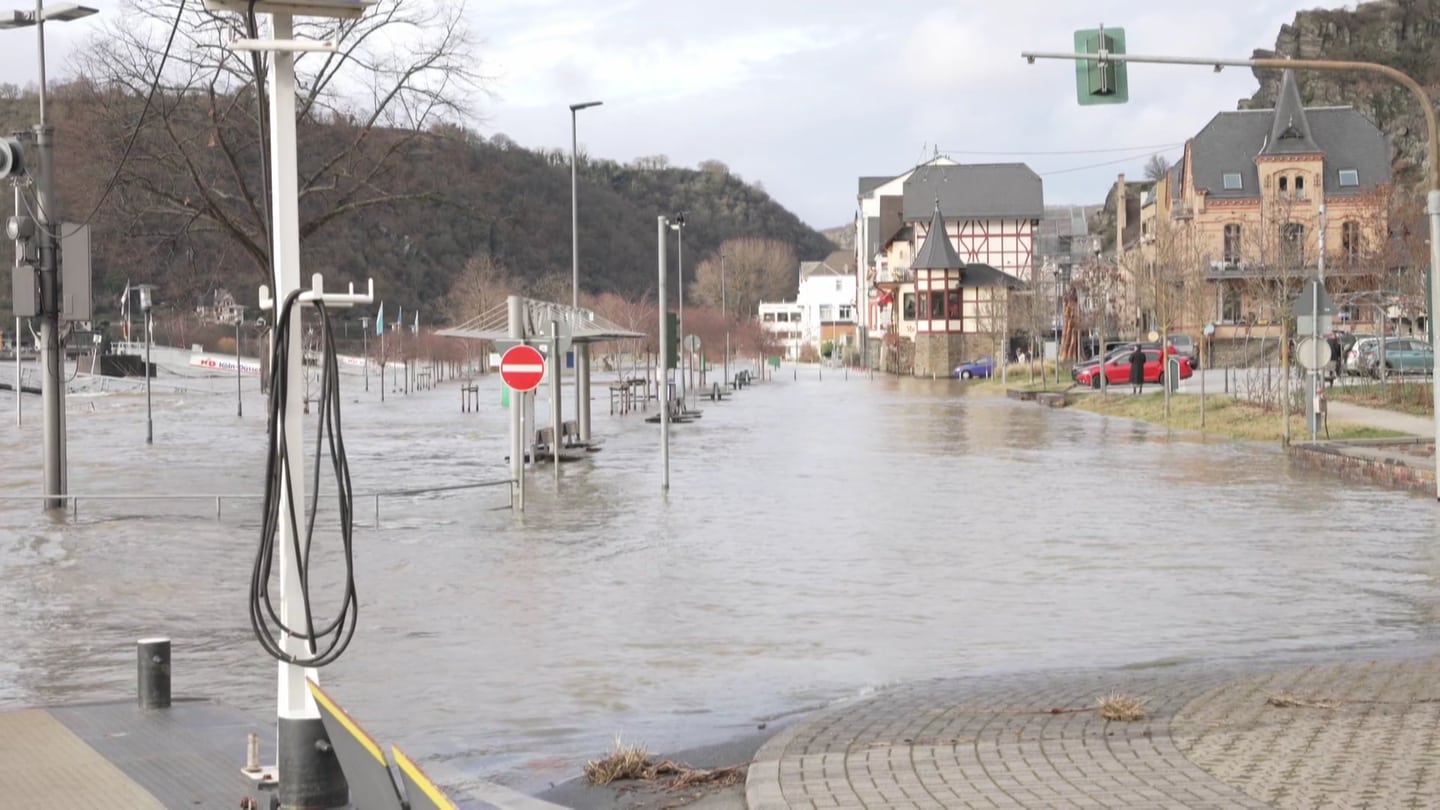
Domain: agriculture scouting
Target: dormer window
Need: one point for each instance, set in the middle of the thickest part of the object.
(1349, 178)
(1232, 181)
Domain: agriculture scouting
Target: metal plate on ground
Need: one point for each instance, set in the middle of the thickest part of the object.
(362, 760)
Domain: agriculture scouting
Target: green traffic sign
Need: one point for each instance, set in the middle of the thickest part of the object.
(1100, 82)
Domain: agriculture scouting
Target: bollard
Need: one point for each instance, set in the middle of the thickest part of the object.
(153, 672)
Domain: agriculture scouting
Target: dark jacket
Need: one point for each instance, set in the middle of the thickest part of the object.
(1137, 367)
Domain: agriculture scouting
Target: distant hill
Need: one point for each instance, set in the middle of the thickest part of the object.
(841, 236)
(477, 197)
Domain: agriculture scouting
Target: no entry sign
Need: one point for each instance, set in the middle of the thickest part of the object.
(522, 367)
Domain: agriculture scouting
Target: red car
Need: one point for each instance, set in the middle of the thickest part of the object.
(1117, 367)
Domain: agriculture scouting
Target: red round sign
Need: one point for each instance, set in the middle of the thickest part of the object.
(522, 367)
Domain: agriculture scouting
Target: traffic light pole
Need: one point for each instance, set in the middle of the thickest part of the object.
(1432, 197)
(52, 385)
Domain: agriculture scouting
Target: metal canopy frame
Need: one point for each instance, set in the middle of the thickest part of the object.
(339, 9)
(536, 315)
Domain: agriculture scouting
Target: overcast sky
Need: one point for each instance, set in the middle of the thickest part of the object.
(805, 96)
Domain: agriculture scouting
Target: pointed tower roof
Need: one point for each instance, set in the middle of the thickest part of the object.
(937, 253)
(1289, 129)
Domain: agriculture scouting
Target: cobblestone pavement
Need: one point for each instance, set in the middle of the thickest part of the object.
(1332, 735)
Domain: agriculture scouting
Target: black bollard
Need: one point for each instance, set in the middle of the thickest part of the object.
(153, 672)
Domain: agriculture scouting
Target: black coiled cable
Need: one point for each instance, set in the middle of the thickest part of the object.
(324, 644)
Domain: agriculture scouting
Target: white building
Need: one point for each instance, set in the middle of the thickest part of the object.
(990, 217)
(822, 313)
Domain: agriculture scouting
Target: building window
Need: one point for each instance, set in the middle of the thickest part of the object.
(952, 304)
(1292, 244)
(937, 305)
(837, 285)
(768, 317)
(908, 308)
(1284, 186)
(827, 312)
(1229, 303)
(1233, 181)
(1350, 240)
(847, 312)
(1232, 243)
(1349, 178)
(1299, 187)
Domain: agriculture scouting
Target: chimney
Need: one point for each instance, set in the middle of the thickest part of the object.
(1122, 208)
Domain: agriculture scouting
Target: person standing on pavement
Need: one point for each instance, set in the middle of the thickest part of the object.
(1137, 370)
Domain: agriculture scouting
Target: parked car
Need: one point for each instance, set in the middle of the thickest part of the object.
(1186, 347)
(1354, 355)
(1117, 367)
(979, 367)
(1402, 355)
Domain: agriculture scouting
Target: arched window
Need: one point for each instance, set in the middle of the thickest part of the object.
(1284, 186)
(1292, 245)
(1350, 240)
(1232, 243)
(1299, 187)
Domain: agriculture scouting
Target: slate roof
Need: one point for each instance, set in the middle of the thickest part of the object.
(1290, 129)
(936, 253)
(869, 184)
(1233, 140)
(983, 275)
(975, 191)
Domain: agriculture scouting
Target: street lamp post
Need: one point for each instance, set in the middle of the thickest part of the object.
(145, 305)
(239, 386)
(725, 313)
(42, 171)
(678, 225)
(581, 348)
(365, 348)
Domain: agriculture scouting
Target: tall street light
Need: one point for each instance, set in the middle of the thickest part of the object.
(42, 170)
(725, 313)
(145, 306)
(239, 385)
(678, 226)
(581, 349)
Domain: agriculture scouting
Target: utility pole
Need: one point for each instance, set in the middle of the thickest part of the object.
(39, 163)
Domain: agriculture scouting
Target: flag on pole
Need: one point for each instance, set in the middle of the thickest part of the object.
(380, 320)
(125, 308)
(400, 319)
(416, 327)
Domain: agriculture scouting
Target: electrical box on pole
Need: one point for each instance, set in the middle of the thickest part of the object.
(1101, 81)
(672, 346)
(75, 297)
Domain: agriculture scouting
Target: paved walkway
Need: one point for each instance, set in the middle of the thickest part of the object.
(1360, 734)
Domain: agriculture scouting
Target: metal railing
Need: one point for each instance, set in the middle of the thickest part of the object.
(219, 499)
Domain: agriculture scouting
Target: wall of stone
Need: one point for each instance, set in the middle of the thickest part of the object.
(1383, 462)
(938, 354)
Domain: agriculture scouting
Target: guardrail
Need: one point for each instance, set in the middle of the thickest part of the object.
(219, 499)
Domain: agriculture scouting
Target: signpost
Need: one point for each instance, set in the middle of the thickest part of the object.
(522, 367)
(1314, 313)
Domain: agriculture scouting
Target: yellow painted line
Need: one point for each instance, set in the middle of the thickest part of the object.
(429, 788)
(346, 721)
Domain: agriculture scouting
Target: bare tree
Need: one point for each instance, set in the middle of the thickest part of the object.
(1156, 167)
(483, 285)
(755, 270)
(196, 169)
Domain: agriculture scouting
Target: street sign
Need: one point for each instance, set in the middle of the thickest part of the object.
(1099, 82)
(522, 368)
(1312, 353)
(1305, 302)
(692, 343)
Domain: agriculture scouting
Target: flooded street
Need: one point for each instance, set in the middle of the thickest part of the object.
(821, 538)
